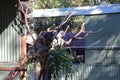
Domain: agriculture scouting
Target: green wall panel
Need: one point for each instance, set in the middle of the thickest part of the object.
(108, 36)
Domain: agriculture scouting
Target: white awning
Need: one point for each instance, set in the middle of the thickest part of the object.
(87, 10)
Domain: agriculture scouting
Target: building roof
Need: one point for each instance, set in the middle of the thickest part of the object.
(87, 10)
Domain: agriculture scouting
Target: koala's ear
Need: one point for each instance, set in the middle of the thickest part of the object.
(42, 34)
(54, 34)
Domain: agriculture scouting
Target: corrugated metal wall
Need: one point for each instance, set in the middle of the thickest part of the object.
(10, 45)
(89, 72)
(95, 72)
(108, 36)
(9, 38)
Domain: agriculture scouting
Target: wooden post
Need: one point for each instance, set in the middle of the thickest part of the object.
(23, 53)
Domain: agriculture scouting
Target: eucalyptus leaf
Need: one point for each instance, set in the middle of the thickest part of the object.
(61, 62)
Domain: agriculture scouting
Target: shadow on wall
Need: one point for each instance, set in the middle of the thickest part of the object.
(109, 36)
(7, 13)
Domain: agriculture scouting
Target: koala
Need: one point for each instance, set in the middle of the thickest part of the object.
(43, 42)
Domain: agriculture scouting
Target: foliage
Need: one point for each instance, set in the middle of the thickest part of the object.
(59, 61)
(42, 4)
(51, 22)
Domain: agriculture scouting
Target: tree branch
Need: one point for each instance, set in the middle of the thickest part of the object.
(26, 20)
